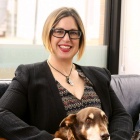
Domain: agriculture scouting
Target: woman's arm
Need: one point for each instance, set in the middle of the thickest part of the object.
(13, 109)
(120, 125)
(13, 128)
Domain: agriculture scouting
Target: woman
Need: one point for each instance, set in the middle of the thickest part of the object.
(42, 94)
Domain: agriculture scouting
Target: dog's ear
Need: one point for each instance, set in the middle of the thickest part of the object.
(105, 118)
(68, 121)
(70, 135)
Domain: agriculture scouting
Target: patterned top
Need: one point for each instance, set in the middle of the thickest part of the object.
(72, 104)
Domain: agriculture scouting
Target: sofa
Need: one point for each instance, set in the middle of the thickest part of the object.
(126, 87)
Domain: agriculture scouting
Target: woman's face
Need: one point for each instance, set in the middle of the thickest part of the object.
(65, 48)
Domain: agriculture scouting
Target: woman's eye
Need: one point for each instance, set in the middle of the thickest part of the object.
(59, 31)
(73, 33)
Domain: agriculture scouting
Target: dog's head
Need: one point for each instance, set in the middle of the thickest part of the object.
(88, 124)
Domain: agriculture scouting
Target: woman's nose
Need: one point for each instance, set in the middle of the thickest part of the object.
(66, 37)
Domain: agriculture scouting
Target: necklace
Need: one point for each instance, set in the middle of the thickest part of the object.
(68, 80)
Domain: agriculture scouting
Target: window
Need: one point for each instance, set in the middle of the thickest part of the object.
(24, 19)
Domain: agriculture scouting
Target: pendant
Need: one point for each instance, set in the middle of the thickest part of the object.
(69, 81)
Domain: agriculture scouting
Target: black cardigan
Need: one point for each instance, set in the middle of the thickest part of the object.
(32, 109)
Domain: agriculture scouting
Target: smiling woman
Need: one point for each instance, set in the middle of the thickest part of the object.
(24, 29)
(57, 87)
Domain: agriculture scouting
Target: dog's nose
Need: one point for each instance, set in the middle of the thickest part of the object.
(105, 136)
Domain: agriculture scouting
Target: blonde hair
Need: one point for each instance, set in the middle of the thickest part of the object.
(54, 18)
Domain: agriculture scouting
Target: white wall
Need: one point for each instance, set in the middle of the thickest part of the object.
(129, 62)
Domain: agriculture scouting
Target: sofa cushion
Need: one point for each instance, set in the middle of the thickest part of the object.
(127, 88)
(4, 85)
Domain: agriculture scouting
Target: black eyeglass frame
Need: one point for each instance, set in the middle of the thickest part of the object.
(66, 31)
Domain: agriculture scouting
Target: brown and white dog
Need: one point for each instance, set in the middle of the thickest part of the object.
(90, 123)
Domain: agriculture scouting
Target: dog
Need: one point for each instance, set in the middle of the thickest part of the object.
(136, 135)
(90, 123)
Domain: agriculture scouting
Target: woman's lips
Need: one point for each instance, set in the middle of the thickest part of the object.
(65, 48)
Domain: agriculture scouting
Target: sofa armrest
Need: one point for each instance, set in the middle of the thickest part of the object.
(127, 88)
(4, 84)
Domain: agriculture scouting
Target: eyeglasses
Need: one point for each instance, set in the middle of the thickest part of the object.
(60, 33)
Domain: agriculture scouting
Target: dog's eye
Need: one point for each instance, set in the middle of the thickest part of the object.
(89, 120)
(105, 118)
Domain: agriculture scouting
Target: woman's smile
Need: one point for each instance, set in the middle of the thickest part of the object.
(65, 48)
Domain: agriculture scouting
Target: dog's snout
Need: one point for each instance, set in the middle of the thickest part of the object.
(105, 136)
